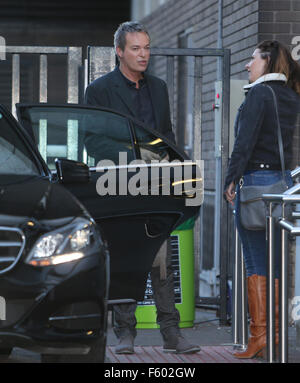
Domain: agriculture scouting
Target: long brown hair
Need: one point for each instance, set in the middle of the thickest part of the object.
(280, 61)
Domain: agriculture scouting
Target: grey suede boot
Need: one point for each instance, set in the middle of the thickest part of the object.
(125, 345)
(174, 342)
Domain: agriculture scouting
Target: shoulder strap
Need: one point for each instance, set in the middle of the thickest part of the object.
(280, 144)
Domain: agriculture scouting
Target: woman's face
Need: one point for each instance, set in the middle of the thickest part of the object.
(256, 66)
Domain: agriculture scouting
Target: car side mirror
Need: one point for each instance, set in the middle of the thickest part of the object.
(71, 172)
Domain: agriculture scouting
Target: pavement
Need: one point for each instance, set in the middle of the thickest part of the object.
(215, 342)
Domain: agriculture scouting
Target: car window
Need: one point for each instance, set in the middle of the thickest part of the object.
(152, 147)
(15, 157)
(78, 133)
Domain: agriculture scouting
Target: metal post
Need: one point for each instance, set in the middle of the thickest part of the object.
(218, 158)
(283, 302)
(43, 78)
(86, 74)
(270, 287)
(74, 62)
(197, 109)
(235, 286)
(15, 82)
(244, 306)
(43, 130)
(101, 60)
(197, 157)
(170, 83)
(224, 217)
(240, 325)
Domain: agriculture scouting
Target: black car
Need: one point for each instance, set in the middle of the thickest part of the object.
(87, 197)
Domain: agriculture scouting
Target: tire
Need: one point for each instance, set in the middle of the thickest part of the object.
(95, 355)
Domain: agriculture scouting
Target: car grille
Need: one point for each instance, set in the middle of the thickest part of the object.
(12, 242)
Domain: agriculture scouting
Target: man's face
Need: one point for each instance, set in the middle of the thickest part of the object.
(136, 54)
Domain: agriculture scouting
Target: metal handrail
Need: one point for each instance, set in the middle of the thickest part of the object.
(239, 337)
(296, 172)
(288, 197)
(239, 317)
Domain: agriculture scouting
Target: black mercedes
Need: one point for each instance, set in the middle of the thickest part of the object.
(83, 212)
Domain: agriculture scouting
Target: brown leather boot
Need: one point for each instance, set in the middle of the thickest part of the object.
(263, 353)
(257, 309)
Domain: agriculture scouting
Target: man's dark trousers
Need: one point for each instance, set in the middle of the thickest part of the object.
(163, 294)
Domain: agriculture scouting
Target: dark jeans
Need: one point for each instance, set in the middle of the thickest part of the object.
(254, 241)
(163, 292)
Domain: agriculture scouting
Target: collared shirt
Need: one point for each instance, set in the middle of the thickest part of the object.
(141, 101)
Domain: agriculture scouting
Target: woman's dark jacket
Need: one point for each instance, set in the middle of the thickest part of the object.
(256, 129)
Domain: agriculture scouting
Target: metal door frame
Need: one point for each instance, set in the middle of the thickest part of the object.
(74, 55)
(101, 60)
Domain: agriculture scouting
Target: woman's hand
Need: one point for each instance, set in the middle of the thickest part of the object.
(230, 193)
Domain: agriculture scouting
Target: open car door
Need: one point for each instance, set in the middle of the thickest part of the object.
(140, 185)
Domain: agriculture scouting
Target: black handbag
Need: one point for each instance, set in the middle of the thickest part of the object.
(252, 207)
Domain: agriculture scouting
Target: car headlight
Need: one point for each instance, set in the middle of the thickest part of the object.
(66, 244)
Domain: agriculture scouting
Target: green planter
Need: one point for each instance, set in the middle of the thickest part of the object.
(182, 242)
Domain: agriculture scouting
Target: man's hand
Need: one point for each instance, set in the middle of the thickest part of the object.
(148, 155)
(230, 193)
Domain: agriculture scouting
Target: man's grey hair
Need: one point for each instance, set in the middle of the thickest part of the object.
(124, 28)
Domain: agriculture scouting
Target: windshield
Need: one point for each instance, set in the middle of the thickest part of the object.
(15, 158)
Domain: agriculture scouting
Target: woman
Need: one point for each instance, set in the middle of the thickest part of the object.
(255, 158)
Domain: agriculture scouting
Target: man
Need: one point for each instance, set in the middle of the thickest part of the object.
(128, 89)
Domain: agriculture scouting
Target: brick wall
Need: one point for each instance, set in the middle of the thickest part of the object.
(279, 19)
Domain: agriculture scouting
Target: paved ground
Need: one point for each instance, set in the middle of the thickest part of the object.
(154, 354)
(215, 342)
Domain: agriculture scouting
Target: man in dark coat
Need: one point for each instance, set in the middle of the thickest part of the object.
(117, 92)
(129, 90)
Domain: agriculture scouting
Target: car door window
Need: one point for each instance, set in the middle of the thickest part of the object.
(151, 147)
(15, 158)
(78, 133)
